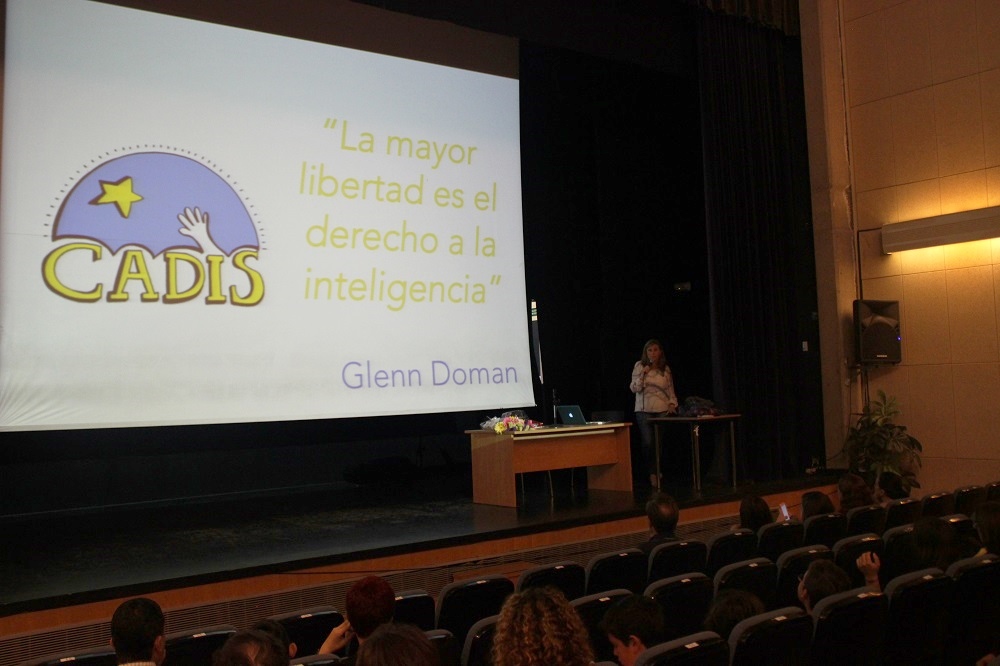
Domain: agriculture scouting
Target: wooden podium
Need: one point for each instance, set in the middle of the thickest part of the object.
(497, 459)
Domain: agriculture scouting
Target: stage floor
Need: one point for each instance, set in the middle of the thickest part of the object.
(60, 561)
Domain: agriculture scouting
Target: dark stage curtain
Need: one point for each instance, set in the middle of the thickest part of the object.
(761, 264)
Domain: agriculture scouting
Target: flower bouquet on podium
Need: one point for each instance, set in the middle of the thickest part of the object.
(515, 421)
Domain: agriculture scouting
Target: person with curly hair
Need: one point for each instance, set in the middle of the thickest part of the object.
(538, 627)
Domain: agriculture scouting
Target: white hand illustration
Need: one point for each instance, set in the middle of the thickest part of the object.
(195, 226)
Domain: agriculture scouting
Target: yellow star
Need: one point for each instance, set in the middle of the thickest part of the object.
(120, 194)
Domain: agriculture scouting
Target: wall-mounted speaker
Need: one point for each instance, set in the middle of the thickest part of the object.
(876, 328)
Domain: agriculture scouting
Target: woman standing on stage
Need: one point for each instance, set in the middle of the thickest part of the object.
(653, 386)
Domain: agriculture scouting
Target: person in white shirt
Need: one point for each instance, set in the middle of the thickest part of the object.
(653, 386)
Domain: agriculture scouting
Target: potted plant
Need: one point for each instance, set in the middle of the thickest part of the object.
(876, 444)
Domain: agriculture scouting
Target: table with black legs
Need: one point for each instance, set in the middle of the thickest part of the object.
(694, 424)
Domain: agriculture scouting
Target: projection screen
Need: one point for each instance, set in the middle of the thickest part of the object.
(204, 224)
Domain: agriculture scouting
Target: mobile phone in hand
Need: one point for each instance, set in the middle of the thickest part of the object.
(784, 511)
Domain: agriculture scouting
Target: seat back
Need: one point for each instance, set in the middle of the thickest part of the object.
(414, 607)
(865, 520)
(317, 660)
(99, 656)
(898, 553)
(938, 504)
(847, 550)
(826, 528)
(919, 602)
(478, 647)
(568, 576)
(446, 645)
(675, 558)
(196, 647)
(791, 566)
(968, 499)
(620, 569)
(965, 532)
(993, 491)
(705, 648)
(850, 628)
(591, 610)
(464, 602)
(757, 576)
(685, 601)
(975, 609)
(901, 512)
(782, 638)
(776, 538)
(309, 628)
(729, 547)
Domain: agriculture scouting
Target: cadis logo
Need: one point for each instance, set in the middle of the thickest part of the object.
(174, 228)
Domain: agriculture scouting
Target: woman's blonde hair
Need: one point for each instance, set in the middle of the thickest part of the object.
(539, 627)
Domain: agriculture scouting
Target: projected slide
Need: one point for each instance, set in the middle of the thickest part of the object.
(201, 224)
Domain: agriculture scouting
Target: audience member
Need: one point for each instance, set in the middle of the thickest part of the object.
(987, 519)
(854, 492)
(888, 487)
(538, 626)
(729, 608)
(822, 579)
(632, 625)
(394, 644)
(932, 543)
(754, 513)
(816, 503)
(663, 515)
(369, 603)
(137, 632)
(278, 633)
(251, 648)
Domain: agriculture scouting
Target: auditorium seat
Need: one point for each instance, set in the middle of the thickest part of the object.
(309, 628)
(866, 519)
(901, 512)
(918, 617)
(968, 499)
(568, 576)
(685, 601)
(446, 645)
(850, 628)
(965, 528)
(993, 491)
(826, 528)
(705, 648)
(775, 538)
(623, 568)
(791, 566)
(99, 656)
(782, 637)
(757, 576)
(317, 660)
(196, 647)
(591, 610)
(464, 602)
(897, 553)
(676, 557)
(415, 607)
(975, 610)
(729, 547)
(849, 549)
(937, 504)
(478, 645)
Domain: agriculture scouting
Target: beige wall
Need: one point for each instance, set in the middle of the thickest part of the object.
(917, 84)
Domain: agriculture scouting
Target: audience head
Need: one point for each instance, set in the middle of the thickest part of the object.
(889, 486)
(729, 608)
(137, 631)
(854, 492)
(632, 625)
(251, 648)
(935, 543)
(369, 603)
(822, 579)
(538, 626)
(663, 513)
(754, 513)
(394, 644)
(816, 503)
(278, 633)
(988, 525)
